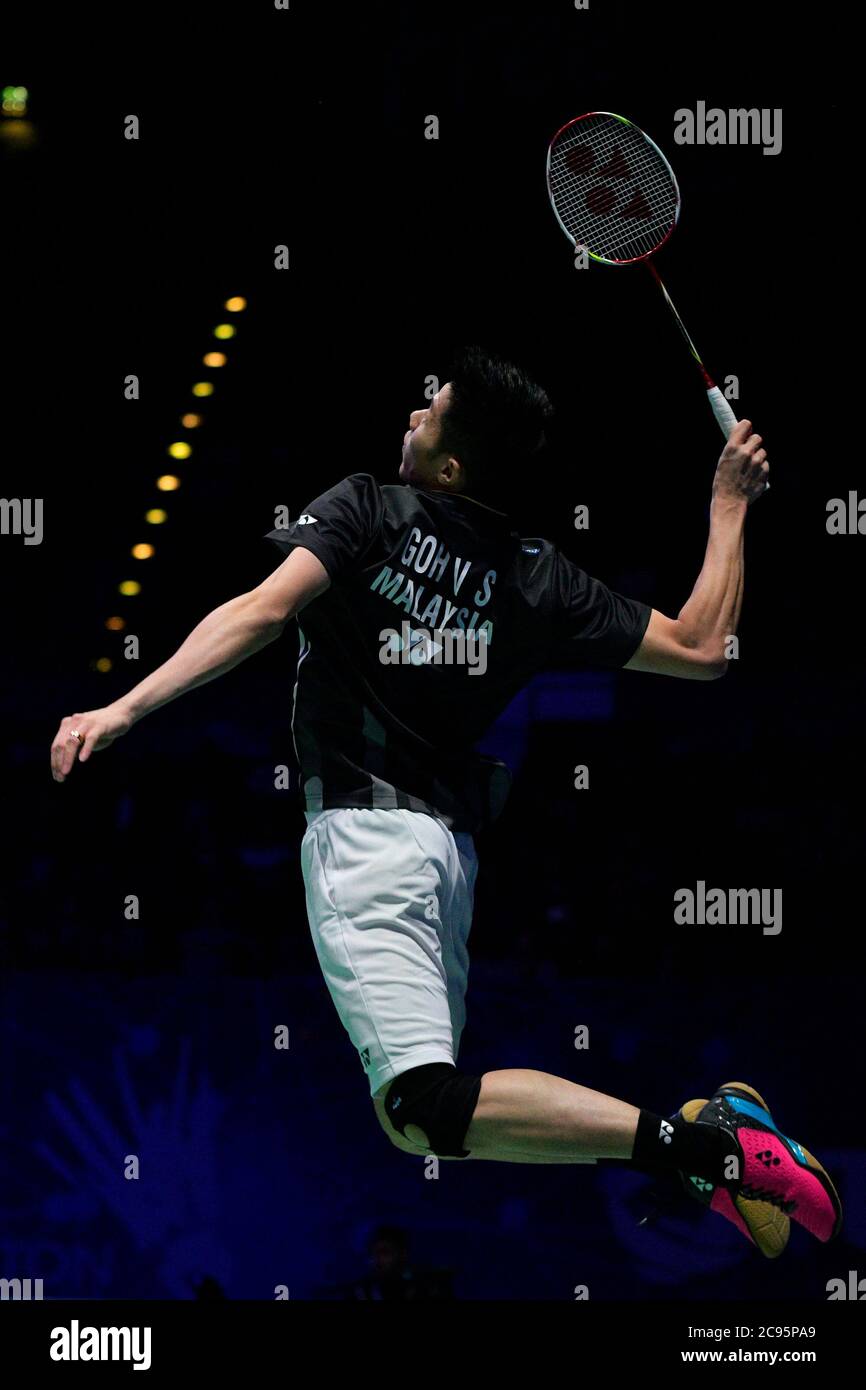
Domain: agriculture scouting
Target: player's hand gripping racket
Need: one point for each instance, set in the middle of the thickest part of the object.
(615, 195)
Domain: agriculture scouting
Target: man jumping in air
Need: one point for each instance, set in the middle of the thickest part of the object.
(422, 614)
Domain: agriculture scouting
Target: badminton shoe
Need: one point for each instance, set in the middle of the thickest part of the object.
(778, 1180)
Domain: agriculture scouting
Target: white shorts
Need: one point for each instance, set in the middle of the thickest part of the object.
(389, 900)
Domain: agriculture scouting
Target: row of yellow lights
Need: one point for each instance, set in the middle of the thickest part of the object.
(170, 482)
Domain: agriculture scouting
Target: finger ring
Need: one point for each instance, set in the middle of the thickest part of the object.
(73, 733)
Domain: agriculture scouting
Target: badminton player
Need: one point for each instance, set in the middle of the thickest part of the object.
(422, 612)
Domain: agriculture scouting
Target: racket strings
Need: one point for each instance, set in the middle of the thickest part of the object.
(612, 190)
(610, 150)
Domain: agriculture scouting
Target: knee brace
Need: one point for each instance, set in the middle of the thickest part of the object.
(440, 1100)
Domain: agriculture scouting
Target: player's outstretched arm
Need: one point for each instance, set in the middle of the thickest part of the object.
(224, 638)
(692, 645)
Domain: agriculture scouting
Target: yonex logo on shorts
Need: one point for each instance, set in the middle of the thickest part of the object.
(665, 1132)
(306, 519)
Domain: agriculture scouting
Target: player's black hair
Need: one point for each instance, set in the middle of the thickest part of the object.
(495, 420)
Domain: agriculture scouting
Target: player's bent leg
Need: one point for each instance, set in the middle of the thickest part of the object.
(420, 1151)
(531, 1112)
(397, 1139)
(432, 1106)
(429, 1110)
(515, 1116)
(396, 1136)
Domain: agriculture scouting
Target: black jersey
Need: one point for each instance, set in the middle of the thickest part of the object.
(438, 613)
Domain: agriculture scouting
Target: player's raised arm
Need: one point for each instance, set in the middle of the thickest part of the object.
(692, 645)
(221, 640)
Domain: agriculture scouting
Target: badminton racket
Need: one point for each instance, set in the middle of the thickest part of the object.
(616, 196)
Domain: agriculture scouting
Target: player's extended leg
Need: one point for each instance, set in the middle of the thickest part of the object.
(421, 1150)
(730, 1141)
(534, 1112)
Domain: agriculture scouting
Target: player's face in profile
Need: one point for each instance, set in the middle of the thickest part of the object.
(422, 455)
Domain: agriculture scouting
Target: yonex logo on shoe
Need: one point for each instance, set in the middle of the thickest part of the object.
(666, 1132)
(768, 1158)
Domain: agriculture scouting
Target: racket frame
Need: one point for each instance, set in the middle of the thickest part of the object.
(606, 260)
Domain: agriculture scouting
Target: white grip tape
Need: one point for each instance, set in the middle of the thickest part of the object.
(722, 411)
(725, 416)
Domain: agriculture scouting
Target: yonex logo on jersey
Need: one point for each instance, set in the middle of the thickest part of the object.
(306, 520)
(416, 646)
(666, 1132)
(365, 1057)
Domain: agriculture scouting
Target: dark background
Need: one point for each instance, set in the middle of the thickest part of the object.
(154, 1036)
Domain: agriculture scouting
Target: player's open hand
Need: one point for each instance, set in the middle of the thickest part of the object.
(743, 468)
(97, 729)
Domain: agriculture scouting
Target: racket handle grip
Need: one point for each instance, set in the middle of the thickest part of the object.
(725, 416)
(722, 411)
